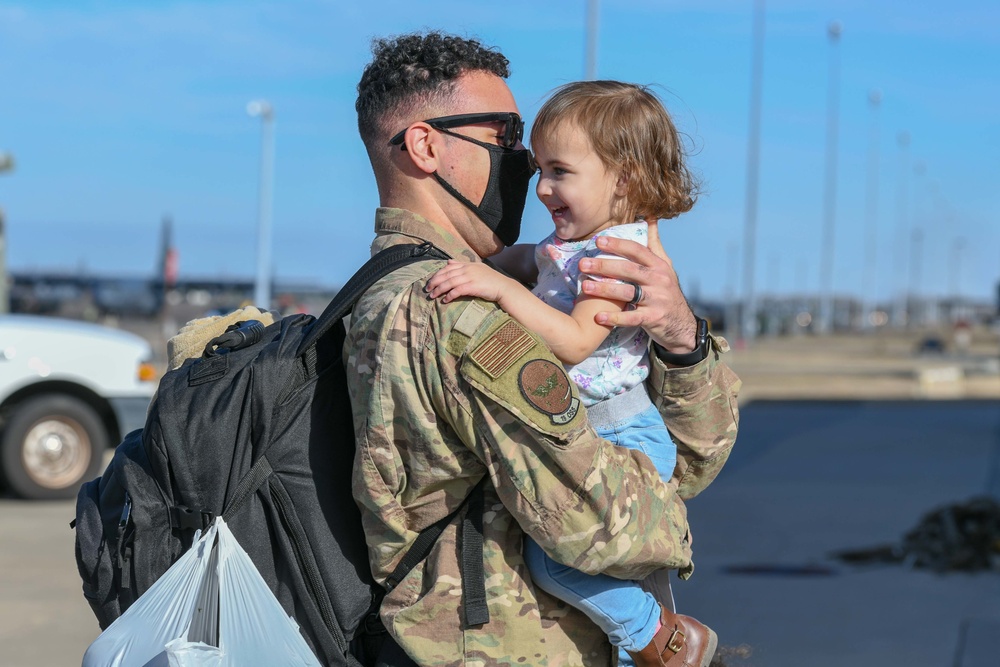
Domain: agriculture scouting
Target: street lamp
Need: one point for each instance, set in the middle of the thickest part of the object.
(830, 182)
(593, 10)
(899, 247)
(954, 276)
(262, 286)
(915, 317)
(748, 325)
(870, 281)
(6, 164)
(915, 309)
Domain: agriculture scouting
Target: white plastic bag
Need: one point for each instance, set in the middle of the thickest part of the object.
(210, 609)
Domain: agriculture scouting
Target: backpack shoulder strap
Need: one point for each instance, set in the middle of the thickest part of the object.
(473, 577)
(470, 567)
(382, 264)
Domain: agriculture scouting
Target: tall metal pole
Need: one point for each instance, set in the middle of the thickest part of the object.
(955, 267)
(262, 285)
(955, 279)
(916, 252)
(830, 182)
(4, 296)
(899, 245)
(748, 328)
(917, 216)
(6, 164)
(591, 54)
(935, 249)
(870, 282)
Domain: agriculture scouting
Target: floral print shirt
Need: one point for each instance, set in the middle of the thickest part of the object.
(621, 362)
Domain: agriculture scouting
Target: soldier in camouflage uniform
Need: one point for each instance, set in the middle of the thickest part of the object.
(446, 394)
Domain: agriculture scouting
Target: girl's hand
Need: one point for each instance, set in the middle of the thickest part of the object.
(459, 279)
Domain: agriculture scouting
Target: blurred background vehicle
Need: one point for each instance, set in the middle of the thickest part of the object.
(68, 391)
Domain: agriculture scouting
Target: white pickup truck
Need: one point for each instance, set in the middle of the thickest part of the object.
(68, 390)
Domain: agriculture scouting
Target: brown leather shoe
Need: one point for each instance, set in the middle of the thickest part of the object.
(681, 642)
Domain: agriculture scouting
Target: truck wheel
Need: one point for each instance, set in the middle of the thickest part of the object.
(50, 446)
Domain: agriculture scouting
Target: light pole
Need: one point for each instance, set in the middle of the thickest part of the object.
(748, 326)
(954, 277)
(830, 182)
(262, 286)
(590, 64)
(916, 252)
(6, 164)
(899, 247)
(870, 282)
(915, 317)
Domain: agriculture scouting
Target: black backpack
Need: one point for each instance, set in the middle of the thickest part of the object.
(258, 430)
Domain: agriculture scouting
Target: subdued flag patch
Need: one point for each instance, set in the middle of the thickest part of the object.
(499, 352)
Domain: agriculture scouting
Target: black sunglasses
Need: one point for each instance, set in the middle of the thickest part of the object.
(513, 128)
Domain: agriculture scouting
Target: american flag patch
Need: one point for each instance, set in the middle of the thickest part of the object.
(499, 352)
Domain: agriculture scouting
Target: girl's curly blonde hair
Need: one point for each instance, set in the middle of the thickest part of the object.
(634, 137)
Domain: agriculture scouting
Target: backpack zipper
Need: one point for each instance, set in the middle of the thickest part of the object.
(313, 579)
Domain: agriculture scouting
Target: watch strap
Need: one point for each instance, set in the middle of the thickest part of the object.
(700, 352)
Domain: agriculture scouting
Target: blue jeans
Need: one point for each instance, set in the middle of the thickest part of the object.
(625, 612)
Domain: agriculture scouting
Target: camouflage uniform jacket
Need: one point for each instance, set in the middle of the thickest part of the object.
(444, 394)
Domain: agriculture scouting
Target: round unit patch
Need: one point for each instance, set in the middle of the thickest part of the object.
(546, 386)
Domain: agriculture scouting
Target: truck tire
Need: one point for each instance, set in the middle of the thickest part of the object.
(51, 444)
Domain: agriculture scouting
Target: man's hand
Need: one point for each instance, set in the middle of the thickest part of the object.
(662, 309)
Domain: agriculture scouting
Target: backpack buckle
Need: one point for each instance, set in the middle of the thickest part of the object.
(183, 518)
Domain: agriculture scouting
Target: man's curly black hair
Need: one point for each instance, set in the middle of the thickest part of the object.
(408, 67)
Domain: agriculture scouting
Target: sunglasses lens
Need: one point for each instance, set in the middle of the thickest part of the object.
(513, 131)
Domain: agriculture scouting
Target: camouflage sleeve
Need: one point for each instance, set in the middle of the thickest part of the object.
(588, 504)
(699, 407)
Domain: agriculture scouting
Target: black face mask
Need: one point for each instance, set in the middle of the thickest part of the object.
(511, 170)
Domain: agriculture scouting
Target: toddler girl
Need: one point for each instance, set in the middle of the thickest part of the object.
(610, 164)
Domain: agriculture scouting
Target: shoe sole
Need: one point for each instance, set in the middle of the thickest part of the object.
(713, 643)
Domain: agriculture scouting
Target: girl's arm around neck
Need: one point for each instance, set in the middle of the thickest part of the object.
(572, 338)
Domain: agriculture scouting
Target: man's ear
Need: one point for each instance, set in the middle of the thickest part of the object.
(421, 147)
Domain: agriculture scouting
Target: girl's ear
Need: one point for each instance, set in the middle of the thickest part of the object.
(621, 187)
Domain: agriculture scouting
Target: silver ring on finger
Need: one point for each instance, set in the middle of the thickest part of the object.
(636, 298)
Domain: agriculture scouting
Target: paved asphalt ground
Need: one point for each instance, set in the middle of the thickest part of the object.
(810, 479)
(807, 479)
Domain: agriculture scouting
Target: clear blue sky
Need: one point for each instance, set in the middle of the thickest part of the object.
(119, 113)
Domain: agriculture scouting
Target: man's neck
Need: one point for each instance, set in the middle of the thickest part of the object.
(429, 209)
